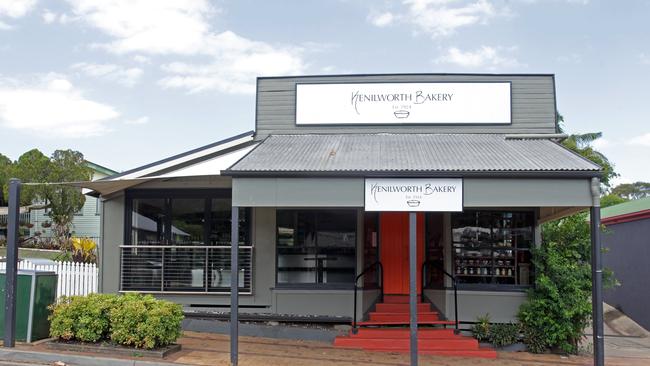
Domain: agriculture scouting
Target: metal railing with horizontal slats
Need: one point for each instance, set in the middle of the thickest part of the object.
(183, 269)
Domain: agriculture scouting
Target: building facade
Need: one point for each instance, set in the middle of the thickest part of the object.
(627, 239)
(324, 185)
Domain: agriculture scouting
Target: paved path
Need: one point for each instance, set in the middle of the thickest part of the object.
(213, 349)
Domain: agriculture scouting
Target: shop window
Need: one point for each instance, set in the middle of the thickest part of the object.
(493, 247)
(179, 240)
(316, 247)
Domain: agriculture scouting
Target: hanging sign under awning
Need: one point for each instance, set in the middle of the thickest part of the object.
(414, 194)
(404, 103)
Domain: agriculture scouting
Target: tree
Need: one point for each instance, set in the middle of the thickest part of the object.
(581, 144)
(558, 307)
(632, 191)
(5, 170)
(64, 201)
(61, 201)
(611, 200)
(31, 167)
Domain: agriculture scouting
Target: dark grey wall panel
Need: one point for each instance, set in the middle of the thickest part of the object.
(533, 105)
(628, 256)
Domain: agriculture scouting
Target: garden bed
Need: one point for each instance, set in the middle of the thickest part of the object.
(112, 349)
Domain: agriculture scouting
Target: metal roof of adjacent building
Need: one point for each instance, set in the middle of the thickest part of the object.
(409, 154)
(627, 211)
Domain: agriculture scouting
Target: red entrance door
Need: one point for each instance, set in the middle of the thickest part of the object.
(394, 251)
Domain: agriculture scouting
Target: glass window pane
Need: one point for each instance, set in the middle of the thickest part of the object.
(148, 221)
(495, 249)
(316, 246)
(184, 269)
(296, 249)
(188, 218)
(220, 217)
(336, 241)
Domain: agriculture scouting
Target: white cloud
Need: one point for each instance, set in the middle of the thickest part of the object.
(155, 27)
(138, 121)
(382, 20)
(236, 63)
(52, 107)
(48, 16)
(141, 59)
(16, 8)
(573, 58)
(111, 72)
(644, 58)
(640, 140)
(484, 57)
(440, 18)
(602, 143)
(181, 28)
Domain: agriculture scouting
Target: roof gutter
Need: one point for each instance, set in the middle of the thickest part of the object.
(536, 136)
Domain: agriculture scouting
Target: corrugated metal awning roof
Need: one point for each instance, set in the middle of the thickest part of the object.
(408, 154)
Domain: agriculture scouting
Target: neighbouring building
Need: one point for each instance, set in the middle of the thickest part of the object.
(627, 239)
(324, 185)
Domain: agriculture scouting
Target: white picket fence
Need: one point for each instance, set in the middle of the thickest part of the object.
(74, 278)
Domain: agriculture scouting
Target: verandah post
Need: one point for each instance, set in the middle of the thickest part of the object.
(413, 258)
(11, 269)
(597, 276)
(234, 286)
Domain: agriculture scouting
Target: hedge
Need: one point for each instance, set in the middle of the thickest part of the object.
(134, 320)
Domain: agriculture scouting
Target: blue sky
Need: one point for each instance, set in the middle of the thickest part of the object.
(128, 82)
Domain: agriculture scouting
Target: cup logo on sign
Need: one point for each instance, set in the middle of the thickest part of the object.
(413, 203)
(401, 114)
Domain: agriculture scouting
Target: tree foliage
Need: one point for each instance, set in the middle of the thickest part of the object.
(5, 166)
(62, 201)
(558, 308)
(632, 191)
(582, 145)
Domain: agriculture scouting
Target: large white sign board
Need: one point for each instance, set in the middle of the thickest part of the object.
(403, 103)
(417, 194)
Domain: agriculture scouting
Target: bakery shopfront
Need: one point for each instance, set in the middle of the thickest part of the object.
(430, 185)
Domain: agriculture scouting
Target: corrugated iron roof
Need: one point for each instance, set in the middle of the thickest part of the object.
(409, 153)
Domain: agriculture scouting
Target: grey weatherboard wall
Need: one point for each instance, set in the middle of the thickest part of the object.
(533, 104)
(628, 255)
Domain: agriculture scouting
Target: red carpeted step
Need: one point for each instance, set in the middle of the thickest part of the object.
(402, 317)
(456, 343)
(397, 333)
(421, 322)
(400, 308)
(397, 299)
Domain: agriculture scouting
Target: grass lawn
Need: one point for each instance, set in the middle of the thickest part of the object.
(30, 253)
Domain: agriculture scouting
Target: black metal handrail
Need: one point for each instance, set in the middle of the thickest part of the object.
(381, 288)
(436, 264)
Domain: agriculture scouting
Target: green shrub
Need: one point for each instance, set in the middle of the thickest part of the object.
(558, 307)
(481, 330)
(135, 320)
(535, 340)
(82, 318)
(504, 334)
(144, 322)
